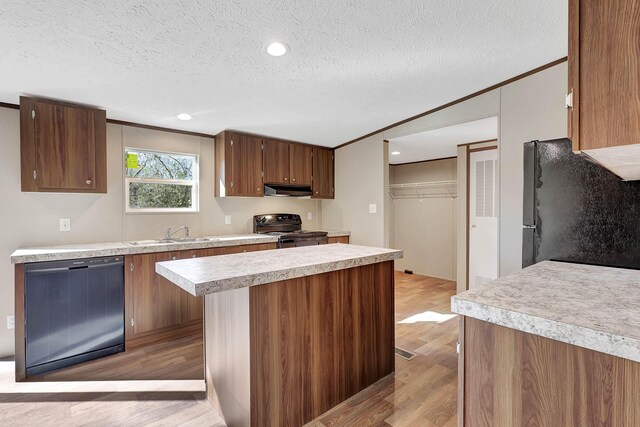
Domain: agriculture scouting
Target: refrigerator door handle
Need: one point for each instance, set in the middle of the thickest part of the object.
(528, 227)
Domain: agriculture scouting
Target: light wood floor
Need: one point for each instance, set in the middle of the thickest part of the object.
(422, 392)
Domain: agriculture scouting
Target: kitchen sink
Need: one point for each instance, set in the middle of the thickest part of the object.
(167, 241)
(148, 242)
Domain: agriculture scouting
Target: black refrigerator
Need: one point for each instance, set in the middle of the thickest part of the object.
(577, 211)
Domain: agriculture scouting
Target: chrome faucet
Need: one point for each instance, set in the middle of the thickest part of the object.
(170, 232)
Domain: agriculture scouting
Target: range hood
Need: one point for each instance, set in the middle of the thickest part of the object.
(276, 190)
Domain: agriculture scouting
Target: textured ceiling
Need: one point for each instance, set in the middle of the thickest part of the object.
(354, 66)
(442, 142)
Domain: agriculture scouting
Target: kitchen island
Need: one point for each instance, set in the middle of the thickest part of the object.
(556, 344)
(290, 333)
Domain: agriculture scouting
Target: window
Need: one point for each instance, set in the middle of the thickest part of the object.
(160, 182)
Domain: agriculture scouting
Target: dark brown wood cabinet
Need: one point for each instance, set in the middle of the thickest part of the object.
(604, 87)
(340, 239)
(301, 164)
(323, 173)
(238, 165)
(287, 163)
(62, 147)
(154, 305)
(244, 163)
(276, 162)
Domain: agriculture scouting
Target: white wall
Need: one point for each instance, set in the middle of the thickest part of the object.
(31, 219)
(531, 108)
(426, 228)
(360, 181)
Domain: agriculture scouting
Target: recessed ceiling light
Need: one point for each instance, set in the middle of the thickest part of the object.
(184, 116)
(395, 153)
(277, 49)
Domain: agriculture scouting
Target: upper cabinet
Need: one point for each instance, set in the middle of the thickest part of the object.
(287, 163)
(301, 164)
(62, 147)
(323, 173)
(238, 165)
(245, 163)
(604, 83)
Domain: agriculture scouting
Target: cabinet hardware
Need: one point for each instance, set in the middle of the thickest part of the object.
(569, 100)
(294, 180)
(232, 142)
(286, 178)
(258, 189)
(174, 258)
(193, 256)
(132, 322)
(35, 174)
(316, 191)
(33, 114)
(88, 182)
(231, 184)
(131, 267)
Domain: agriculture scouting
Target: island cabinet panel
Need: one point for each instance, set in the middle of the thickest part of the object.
(63, 147)
(323, 171)
(512, 378)
(317, 340)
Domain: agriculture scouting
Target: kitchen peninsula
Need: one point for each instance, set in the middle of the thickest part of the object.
(556, 344)
(290, 333)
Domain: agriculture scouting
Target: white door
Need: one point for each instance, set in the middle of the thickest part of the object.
(483, 216)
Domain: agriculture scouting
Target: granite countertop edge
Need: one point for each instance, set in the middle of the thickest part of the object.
(582, 336)
(276, 275)
(91, 250)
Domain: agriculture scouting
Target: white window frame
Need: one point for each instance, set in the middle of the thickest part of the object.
(195, 183)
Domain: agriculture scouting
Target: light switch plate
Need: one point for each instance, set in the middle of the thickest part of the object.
(227, 219)
(309, 216)
(11, 321)
(65, 224)
(373, 208)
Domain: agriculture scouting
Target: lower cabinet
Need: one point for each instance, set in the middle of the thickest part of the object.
(155, 305)
(341, 239)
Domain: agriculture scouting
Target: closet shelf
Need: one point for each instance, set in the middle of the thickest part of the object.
(424, 190)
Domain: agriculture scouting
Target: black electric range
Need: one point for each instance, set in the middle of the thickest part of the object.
(288, 229)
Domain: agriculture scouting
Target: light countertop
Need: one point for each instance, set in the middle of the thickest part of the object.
(200, 276)
(91, 250)
(589, 306)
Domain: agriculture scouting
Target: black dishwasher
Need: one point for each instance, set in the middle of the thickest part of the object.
(74, 311)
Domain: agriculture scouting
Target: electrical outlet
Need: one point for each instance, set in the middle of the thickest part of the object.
(373, 208)
(11, 321)
(65, 224)
(309, 216)
(227, 219)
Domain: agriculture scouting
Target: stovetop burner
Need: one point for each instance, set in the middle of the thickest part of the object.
(288, 229)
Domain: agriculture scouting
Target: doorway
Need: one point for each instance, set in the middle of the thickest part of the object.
(482, 215)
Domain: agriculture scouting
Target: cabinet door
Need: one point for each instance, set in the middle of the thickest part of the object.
(276, 162)
(156, 301)
(300, 164)
(191, 307)
(604, 40)
(246, 166)
(65, 147)
(322, 173)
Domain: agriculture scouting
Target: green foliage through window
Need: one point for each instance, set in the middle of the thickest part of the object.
(161, 180)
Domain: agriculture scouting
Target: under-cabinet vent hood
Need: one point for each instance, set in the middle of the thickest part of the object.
(287, 190)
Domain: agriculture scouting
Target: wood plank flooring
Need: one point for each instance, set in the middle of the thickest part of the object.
(423, 391)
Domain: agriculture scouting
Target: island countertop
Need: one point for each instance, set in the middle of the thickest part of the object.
(588, 306)
(201, 276)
